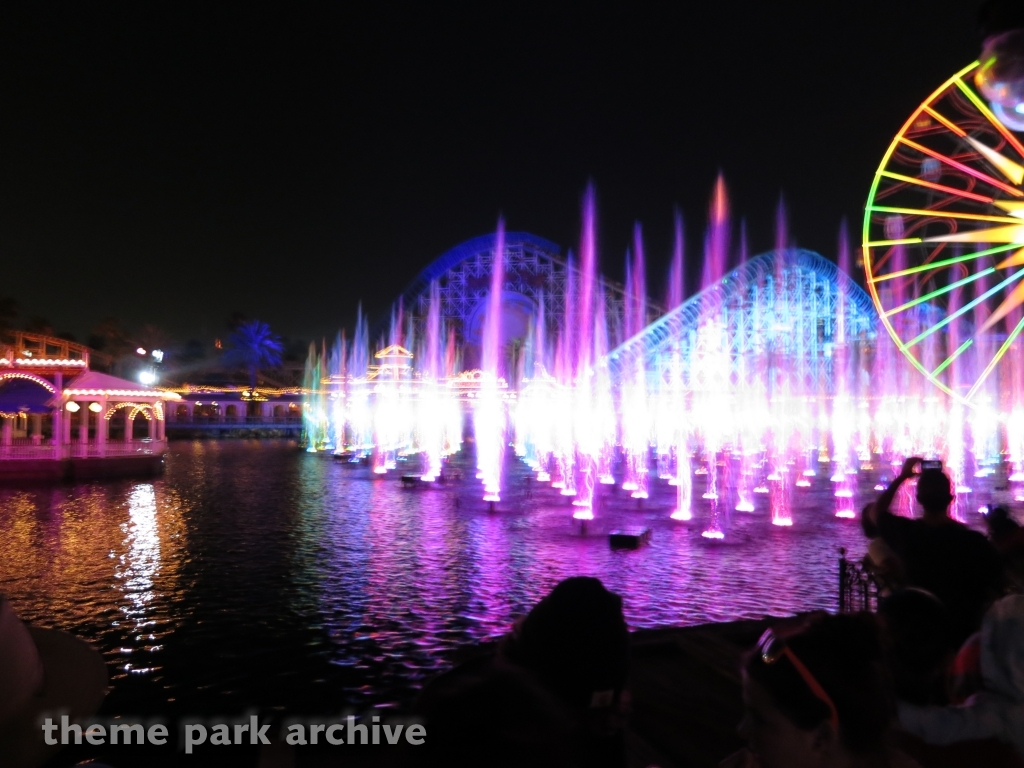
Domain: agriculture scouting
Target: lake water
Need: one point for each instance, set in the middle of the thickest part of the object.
(253, 574)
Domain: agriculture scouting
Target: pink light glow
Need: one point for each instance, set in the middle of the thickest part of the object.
(607, 480)
(638, 494)
(583, 513)
(761, 489)
(785, 522)
(745, 506)
(710, 495)
(543, 477)
(879, 487)
(682, 514)
(718, 535)
(846, 514)
(567, 492)
(803, 483)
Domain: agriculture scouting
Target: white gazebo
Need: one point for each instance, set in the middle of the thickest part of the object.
(98, 399)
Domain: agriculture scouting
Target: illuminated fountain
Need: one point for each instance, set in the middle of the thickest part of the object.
(770, 381)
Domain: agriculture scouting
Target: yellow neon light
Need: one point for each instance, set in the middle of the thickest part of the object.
(1011, 170)
(944, 214)
(1012, 207)
(1014, 234)
(948, 123)
(1013, 261)
(996, 122)
(904, 241)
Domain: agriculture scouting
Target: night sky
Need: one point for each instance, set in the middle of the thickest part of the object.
(172, 163)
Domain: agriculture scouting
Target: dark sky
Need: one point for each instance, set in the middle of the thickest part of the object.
(170, 163)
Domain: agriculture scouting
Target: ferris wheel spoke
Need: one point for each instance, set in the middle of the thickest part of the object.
(965, 308)
(996, 358)
(1012, 234)
(996, 122)
(938, 187)
(946, 122)
(1011, 302)
(1011, 170)
(946, 214)
(1012, 207)
(902, 241)
(940, 291)
(980, 175)
(1014, 261)
(954, 260)
(946, 363)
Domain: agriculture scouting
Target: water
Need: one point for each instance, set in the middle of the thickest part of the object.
(256, 574)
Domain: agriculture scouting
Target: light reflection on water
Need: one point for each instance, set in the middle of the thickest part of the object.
(254, 574)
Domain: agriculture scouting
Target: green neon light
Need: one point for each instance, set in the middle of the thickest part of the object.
(940, 291)
(937, 187)
(946, 214)
(965, 308)
(945, 363)
(996, 122)
(904, 241)
(998, 356)
(947, 262)
(866, 230)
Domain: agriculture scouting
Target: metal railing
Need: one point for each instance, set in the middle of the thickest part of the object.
(858, 587)
(79, 450)
(248, 421)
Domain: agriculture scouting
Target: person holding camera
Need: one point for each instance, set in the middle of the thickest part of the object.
(956, 564)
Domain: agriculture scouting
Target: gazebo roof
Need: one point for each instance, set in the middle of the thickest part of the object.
(95, 384)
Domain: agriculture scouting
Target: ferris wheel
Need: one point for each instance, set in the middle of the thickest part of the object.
(943, 243)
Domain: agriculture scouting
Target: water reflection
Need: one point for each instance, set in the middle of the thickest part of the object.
(254, 574)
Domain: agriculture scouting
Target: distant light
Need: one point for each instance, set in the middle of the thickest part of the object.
(26, 353)
(95, 407)
(73, 407)
(158, 355)
(148, 378)
(141, 351)
(1019, 108)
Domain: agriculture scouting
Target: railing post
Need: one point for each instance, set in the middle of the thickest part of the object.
(843, 579)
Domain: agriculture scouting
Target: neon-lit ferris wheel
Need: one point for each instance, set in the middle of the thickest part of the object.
(944, 244)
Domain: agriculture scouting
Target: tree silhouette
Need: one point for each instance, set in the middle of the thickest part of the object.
(8, 314)
(252, 346)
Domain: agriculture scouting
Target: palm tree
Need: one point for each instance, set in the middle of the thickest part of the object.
(252, 346)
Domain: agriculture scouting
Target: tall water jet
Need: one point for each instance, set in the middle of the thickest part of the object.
(842, 407)
(489, 417)
(585, 382)
(712, 362)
